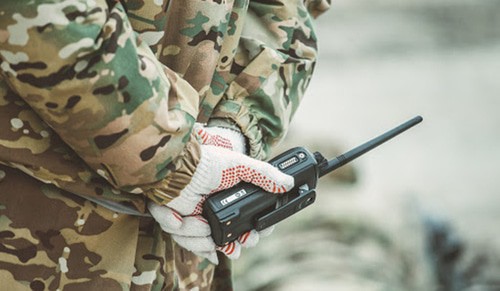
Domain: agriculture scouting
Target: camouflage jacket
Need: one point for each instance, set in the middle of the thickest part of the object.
(99, 97)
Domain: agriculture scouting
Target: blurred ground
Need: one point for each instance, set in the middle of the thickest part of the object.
(381, 63)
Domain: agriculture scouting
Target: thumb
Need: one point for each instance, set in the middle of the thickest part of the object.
(265, 176)
(221, 169)
(232, 250)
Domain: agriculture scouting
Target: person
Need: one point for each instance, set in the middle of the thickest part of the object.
(119, 118)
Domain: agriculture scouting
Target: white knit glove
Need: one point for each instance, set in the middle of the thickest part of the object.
(233, 140)
(222, 165)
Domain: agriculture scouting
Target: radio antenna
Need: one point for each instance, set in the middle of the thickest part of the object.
(335, 163)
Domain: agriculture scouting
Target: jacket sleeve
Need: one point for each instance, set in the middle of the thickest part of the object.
(82, 68)
(274, 62)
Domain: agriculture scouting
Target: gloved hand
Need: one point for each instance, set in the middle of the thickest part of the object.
(219, 168)
(234, 140)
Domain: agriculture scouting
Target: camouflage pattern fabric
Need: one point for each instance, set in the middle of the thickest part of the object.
(126, 115)
(52, 240)
(98, 99)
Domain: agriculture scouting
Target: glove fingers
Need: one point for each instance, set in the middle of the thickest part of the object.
(249, 239)
(195, 244)
(194, 226)
(243, 168)
(232, 250)
(266, 231)
(166, 217)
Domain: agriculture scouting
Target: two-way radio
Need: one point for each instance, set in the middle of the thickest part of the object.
(245, 206)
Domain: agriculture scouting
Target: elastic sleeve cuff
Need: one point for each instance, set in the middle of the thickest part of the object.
(247, 123)
(223, 122)
(182, 168)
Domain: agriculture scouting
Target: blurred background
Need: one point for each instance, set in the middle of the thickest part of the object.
(421, 212)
